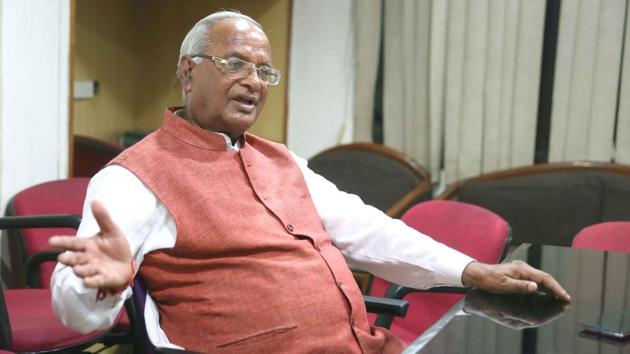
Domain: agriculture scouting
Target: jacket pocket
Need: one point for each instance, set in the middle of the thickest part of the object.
(258, 338)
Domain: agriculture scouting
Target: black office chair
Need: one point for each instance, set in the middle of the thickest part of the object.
(383, 177)
(550, 203)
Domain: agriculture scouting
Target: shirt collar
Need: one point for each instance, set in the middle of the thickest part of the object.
(194, 135)
(228, 142)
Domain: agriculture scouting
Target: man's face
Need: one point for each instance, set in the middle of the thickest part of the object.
(221, 101)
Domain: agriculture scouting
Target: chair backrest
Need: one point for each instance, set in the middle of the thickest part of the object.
(550, 203)
(381, 176)
(91, 155)
(144, 344)
(5, 325)
(55, 197)
(468, 228)
(611, 236)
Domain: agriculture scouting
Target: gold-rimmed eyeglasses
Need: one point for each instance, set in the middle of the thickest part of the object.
(234, 66)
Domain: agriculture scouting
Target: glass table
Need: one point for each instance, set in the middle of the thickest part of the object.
(597, 281)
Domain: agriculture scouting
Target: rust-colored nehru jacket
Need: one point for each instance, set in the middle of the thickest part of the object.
(253, 269)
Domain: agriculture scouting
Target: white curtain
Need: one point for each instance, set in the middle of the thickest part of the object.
(462, 77)
(407, 122)
(586, 83)
(461, 82)
(366, 22)
(622, 154)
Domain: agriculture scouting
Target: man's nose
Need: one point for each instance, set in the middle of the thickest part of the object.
(252, 80)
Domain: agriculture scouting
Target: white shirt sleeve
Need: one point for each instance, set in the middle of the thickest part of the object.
(135, 209)
(386, 247)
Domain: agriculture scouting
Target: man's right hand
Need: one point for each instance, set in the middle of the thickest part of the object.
(103, 261)
(513, 277)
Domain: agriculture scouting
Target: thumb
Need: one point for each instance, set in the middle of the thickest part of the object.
(105, 223)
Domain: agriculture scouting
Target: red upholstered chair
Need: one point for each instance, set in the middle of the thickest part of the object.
(607, 236)
(92, 154)
(27, 321)
(470, 229)
(64, 196)
(55, 197)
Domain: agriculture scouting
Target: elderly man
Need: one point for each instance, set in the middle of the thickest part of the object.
(242, 247)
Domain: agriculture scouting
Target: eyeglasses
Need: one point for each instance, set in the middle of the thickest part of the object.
(243, 68)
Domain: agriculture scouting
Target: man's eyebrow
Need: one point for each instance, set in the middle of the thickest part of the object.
(235, 54)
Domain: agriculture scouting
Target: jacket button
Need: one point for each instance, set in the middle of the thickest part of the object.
(290, 227)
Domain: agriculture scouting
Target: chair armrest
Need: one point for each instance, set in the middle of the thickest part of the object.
(398, 292)
(173, 351)
(39, 221)
(32, 266)
(385, 306)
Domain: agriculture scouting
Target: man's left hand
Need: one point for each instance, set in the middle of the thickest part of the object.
(514, 277)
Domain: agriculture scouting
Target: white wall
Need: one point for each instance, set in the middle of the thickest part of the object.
(34, 60)
(320, 76)
(34, 51)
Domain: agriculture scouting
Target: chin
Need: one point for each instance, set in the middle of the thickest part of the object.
(239, 127)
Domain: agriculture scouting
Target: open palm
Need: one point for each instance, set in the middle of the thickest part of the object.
(103, 260)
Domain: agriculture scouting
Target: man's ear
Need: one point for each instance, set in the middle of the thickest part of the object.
(184, 73)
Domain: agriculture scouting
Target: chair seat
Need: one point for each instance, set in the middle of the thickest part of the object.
(32, 307)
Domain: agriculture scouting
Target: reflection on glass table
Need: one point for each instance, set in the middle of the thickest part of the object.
(516, 311)
(598, 281)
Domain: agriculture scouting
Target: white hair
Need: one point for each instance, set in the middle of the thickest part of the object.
(197, 39)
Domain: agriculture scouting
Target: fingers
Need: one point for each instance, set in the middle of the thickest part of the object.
(85, 270)
(520, 286)
(73, 258)
(541, 279)
(67, 242)
(551, 286)
(100, 281)
(95, 281)
(105, 223)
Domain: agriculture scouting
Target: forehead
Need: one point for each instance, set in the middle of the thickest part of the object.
(239, 36)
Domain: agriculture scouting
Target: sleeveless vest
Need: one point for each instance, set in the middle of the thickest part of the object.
(253, 269)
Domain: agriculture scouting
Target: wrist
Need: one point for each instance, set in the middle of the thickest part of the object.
(473, 274)
(102, 292)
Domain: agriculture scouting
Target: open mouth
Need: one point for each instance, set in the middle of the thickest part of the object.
(245, 104)
(246, 100)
